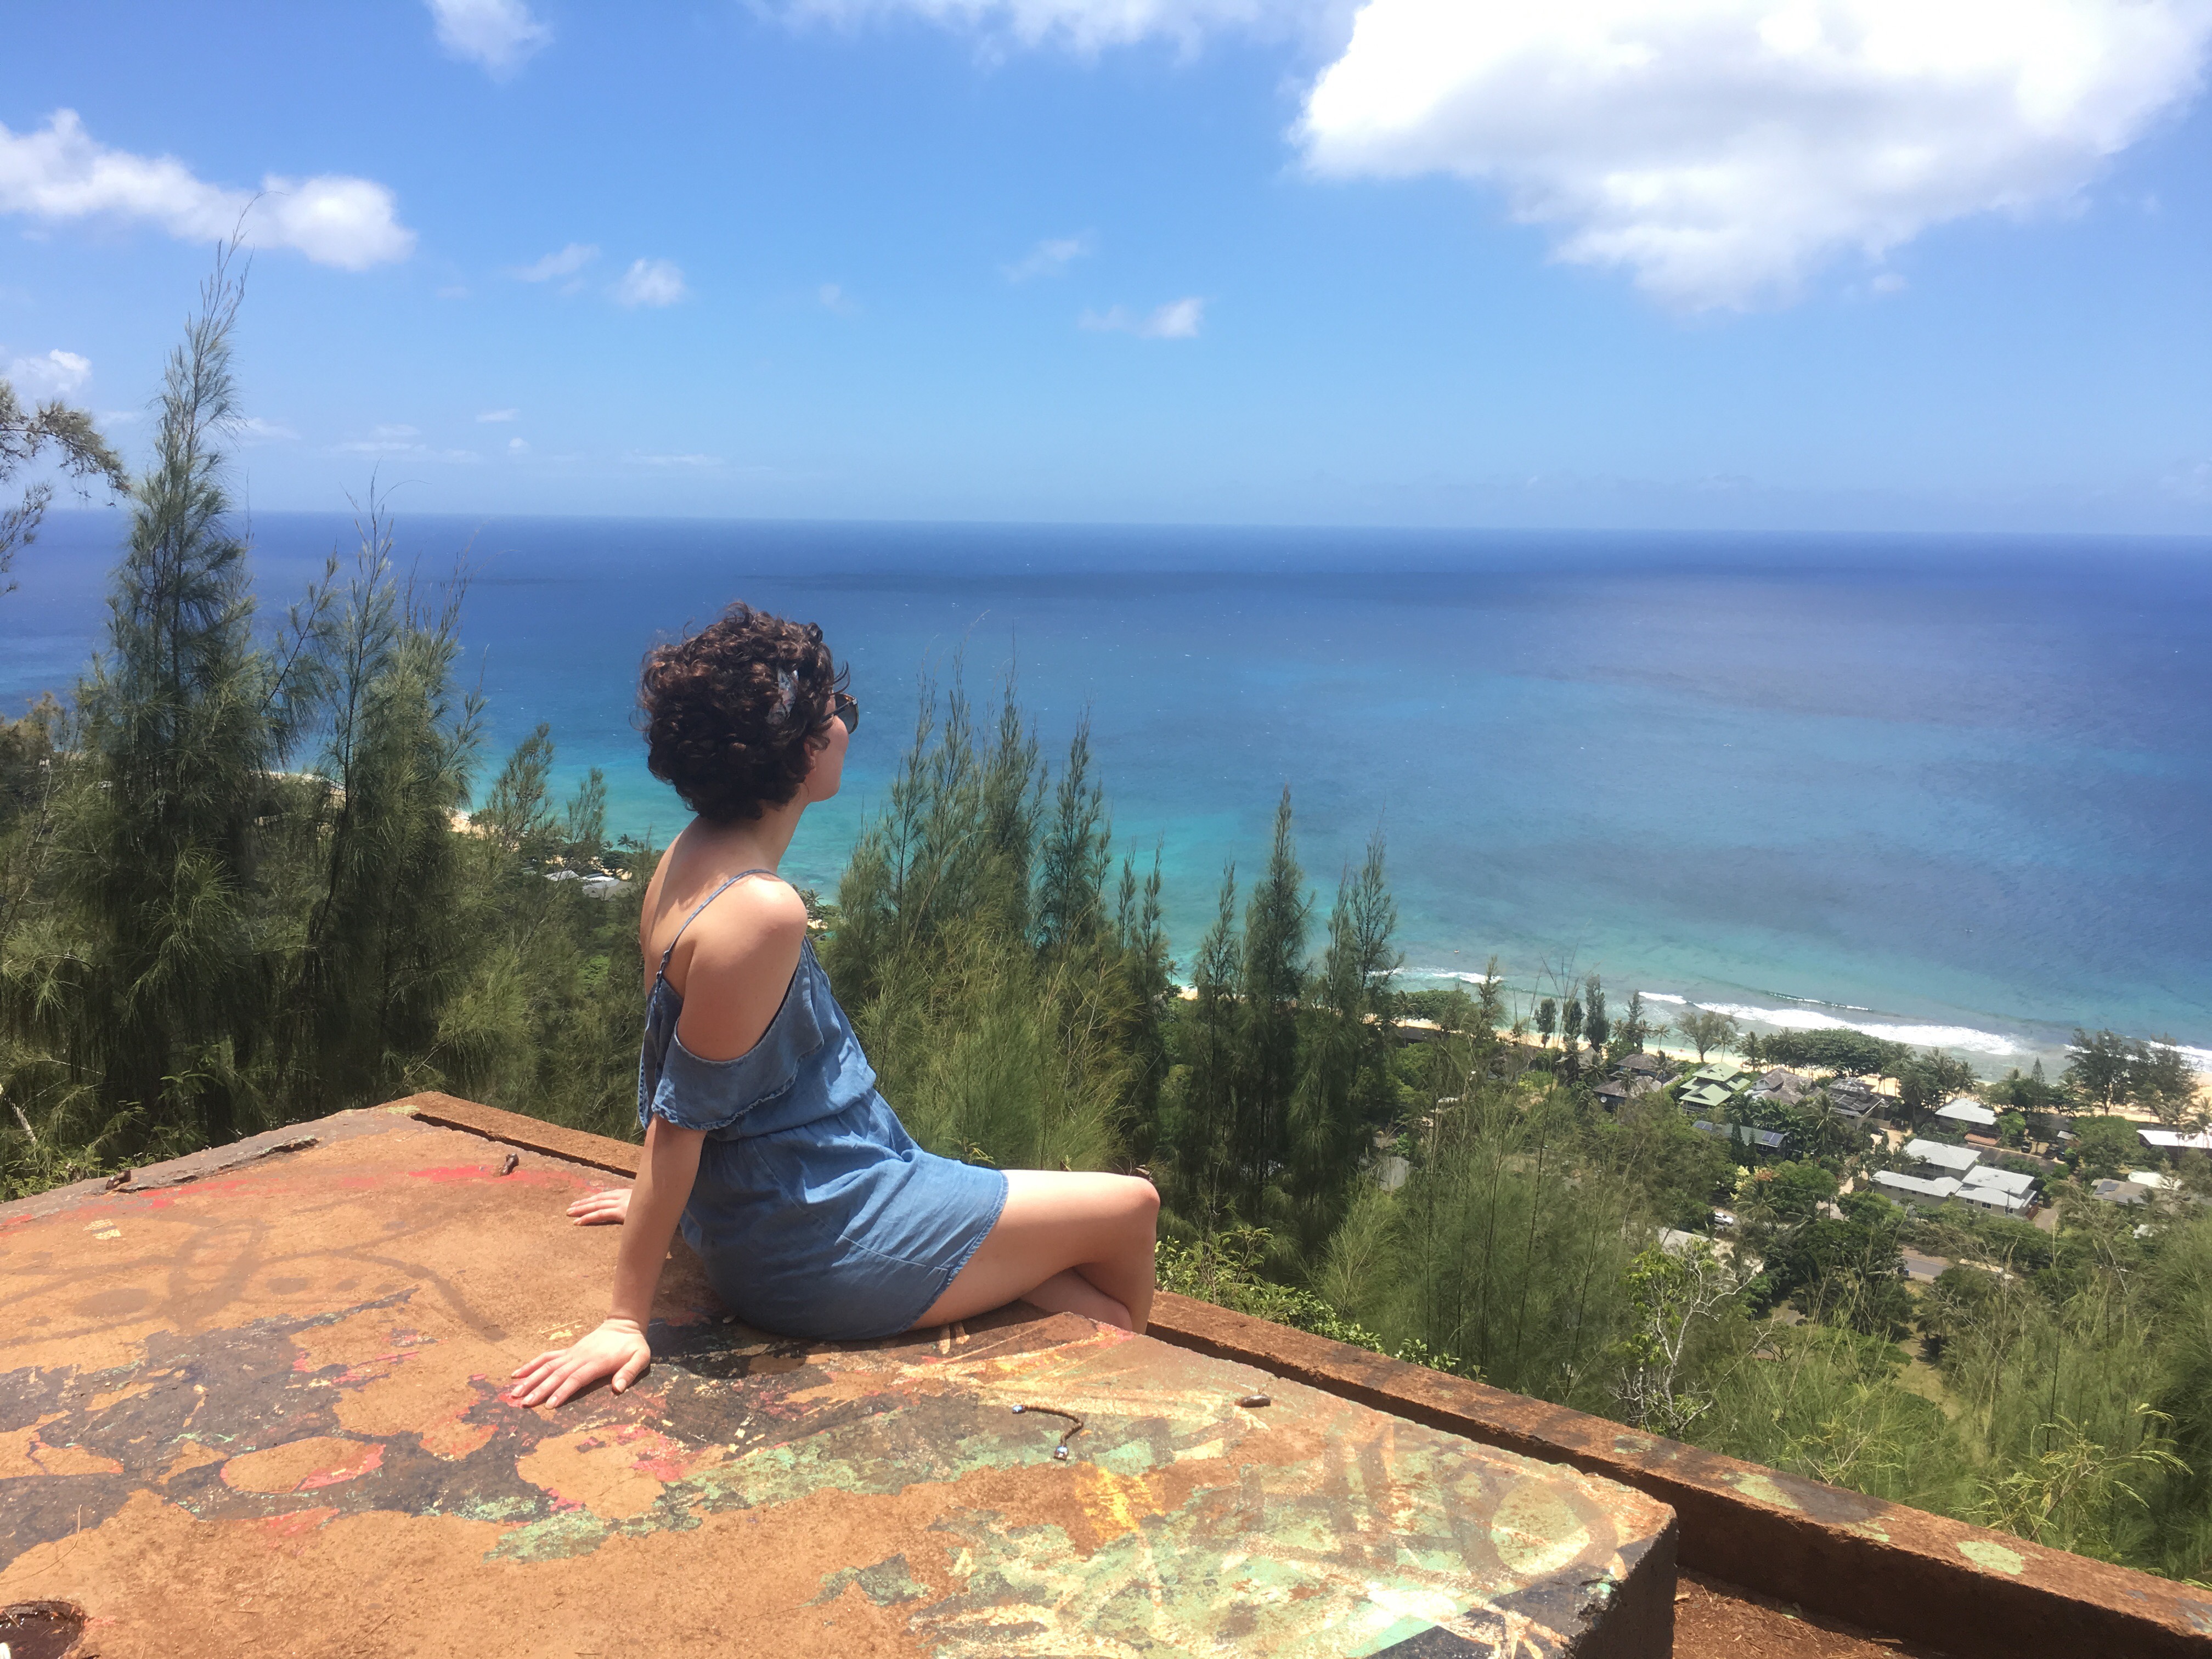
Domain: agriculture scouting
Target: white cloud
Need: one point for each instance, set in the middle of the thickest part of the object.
(834, 298)
(1090, 24)
(688, 461)
(1049, 258)
(500, 34)
(1178, 319)
(61, 172)
(492, 417)
(651, 283)
(518, 445)
(254, 430)
(57, 375)
(1724, 149)
(566, 262)
(397, 441)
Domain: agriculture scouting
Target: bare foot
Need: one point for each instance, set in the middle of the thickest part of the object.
(608, 1209)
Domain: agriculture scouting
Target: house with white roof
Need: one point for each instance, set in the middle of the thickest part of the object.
(2174, 1140)
(1966, 1110)
(2002, 1192)
(2006, 1192)
(1941, 1157)
(1914, 1189)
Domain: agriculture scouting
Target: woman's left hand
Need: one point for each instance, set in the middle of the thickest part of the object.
(616, 1350)
(609, 1208)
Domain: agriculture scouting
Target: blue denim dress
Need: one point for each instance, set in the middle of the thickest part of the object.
(815, 1212)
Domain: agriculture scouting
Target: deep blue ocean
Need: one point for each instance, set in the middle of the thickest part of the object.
(1950, 789)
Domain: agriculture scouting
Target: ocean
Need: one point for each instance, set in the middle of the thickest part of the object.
(1950, 790)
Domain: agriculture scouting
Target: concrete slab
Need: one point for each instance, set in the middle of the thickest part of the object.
(253, 1401)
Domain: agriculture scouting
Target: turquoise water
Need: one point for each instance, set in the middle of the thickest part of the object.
(1952, 789)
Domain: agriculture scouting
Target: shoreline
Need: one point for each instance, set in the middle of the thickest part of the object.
(1991, 1053)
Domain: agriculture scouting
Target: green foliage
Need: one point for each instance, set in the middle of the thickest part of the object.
(2105, 1148)
(1930, 1078)
(1509, 1242)
(195, 942)
(69, 436)
(1672, 1297)
(2104, 1070)
(1841, 1053)
(1017, 1025)
(1224, 1270)
(2097, 1064)
(1706, 1030)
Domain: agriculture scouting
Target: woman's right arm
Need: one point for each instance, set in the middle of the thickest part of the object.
(618, 1348)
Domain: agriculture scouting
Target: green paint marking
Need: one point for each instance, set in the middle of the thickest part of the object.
(1760, 1488)
(1994, 1557)
(1130, 1457)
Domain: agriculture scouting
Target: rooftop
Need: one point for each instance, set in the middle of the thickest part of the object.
(2199, 1142)
(2011, 1181)
(1966, 1110)
(257, 1393)
(1771, 1140)
(1940, 1186)
(1941, 1154)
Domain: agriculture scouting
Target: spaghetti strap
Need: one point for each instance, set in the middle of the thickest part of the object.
(758, 870)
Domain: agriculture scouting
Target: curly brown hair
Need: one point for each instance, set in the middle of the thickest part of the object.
(735, 714)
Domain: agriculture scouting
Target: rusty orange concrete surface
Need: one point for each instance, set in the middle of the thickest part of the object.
(258, 1409)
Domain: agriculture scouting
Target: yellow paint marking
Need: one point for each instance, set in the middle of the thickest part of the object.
(1115, 1504)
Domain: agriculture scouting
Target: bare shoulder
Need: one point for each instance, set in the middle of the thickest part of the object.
(762, 912)
(737, 957)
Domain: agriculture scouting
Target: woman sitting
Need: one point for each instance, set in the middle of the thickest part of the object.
(814, 1211)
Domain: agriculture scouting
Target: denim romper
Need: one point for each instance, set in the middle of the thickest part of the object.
(815, 1212)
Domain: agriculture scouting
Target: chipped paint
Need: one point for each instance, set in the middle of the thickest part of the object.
(1987, 1553)
(1760, 1488)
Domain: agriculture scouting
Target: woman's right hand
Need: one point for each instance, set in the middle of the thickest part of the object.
(609, 1208)
(617, 1349)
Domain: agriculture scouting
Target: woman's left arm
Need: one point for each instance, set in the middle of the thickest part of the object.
(618, 1348)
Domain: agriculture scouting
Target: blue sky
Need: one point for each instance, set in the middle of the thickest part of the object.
(1775, 264)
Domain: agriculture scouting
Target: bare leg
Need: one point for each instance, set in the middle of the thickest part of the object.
(1060, 1235)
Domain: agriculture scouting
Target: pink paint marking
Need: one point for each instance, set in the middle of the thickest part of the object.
(297, 1524)
(348, 1471)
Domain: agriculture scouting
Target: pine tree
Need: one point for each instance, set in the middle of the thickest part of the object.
(1201, 1108)
(1072, 857)
(1344, 1087)
(1273, 974)
(25, 434)
(1635, 1026)
(186, 718)
(394, 921)
(1140, 928)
